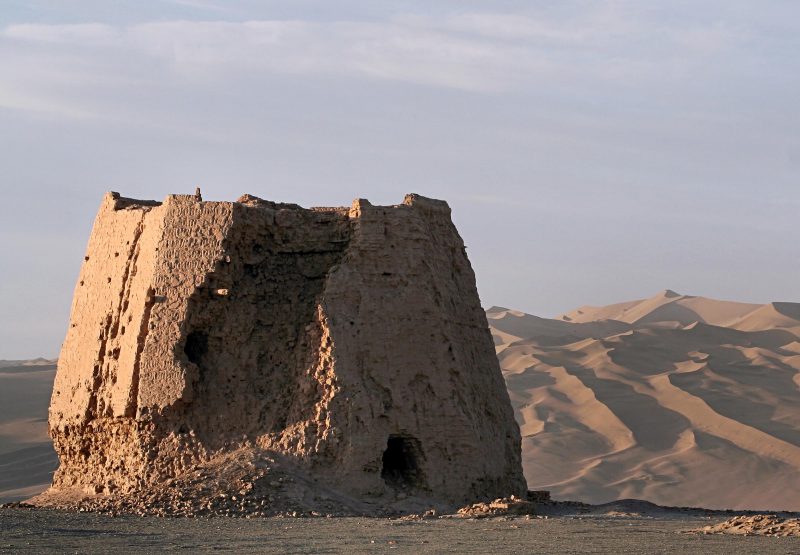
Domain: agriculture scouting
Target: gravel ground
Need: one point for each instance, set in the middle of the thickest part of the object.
(46, 531)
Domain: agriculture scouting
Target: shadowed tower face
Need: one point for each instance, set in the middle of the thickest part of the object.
(349, 341)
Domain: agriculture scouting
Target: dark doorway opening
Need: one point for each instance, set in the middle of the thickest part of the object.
(401, 468)
(196, 346)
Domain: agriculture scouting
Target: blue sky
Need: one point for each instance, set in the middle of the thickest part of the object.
(592, 151)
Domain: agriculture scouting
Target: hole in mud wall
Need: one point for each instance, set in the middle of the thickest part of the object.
(196, 346)
(401, 462)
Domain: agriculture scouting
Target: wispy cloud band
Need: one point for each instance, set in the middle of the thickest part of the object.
(480, 52)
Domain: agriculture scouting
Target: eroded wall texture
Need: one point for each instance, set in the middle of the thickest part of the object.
(349, 340)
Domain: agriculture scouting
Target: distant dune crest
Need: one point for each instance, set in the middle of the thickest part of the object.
(669, 306)
(661, 399)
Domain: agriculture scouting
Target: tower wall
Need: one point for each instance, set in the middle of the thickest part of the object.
(349, 342)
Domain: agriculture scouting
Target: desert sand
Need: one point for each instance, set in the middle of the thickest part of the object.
(675, 399)
(27, 458)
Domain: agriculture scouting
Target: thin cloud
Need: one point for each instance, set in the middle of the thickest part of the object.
(14, 100)
(478, 52)
(199, 5)
(90, 34)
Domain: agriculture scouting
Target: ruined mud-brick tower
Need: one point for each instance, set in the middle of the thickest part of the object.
(349, 340)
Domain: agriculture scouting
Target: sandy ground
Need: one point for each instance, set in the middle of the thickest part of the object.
(678, 400)
(27, 459)
(44, 531)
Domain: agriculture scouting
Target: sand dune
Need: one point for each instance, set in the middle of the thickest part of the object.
(27, 459)
(770, 316)
(675, 399)
(667, 306)
(519, 325)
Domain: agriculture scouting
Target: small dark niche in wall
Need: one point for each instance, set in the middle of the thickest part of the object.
(196, 346)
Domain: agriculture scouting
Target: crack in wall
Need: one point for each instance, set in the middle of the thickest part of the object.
(133, 397)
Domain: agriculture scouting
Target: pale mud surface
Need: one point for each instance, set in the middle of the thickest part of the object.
(45, 531)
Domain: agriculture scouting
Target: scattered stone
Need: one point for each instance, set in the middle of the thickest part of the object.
(755, 525)
(510, 506)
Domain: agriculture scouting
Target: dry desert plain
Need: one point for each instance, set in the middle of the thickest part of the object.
(677, 400)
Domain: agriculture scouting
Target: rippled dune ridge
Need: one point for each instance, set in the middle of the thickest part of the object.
(675, 399)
